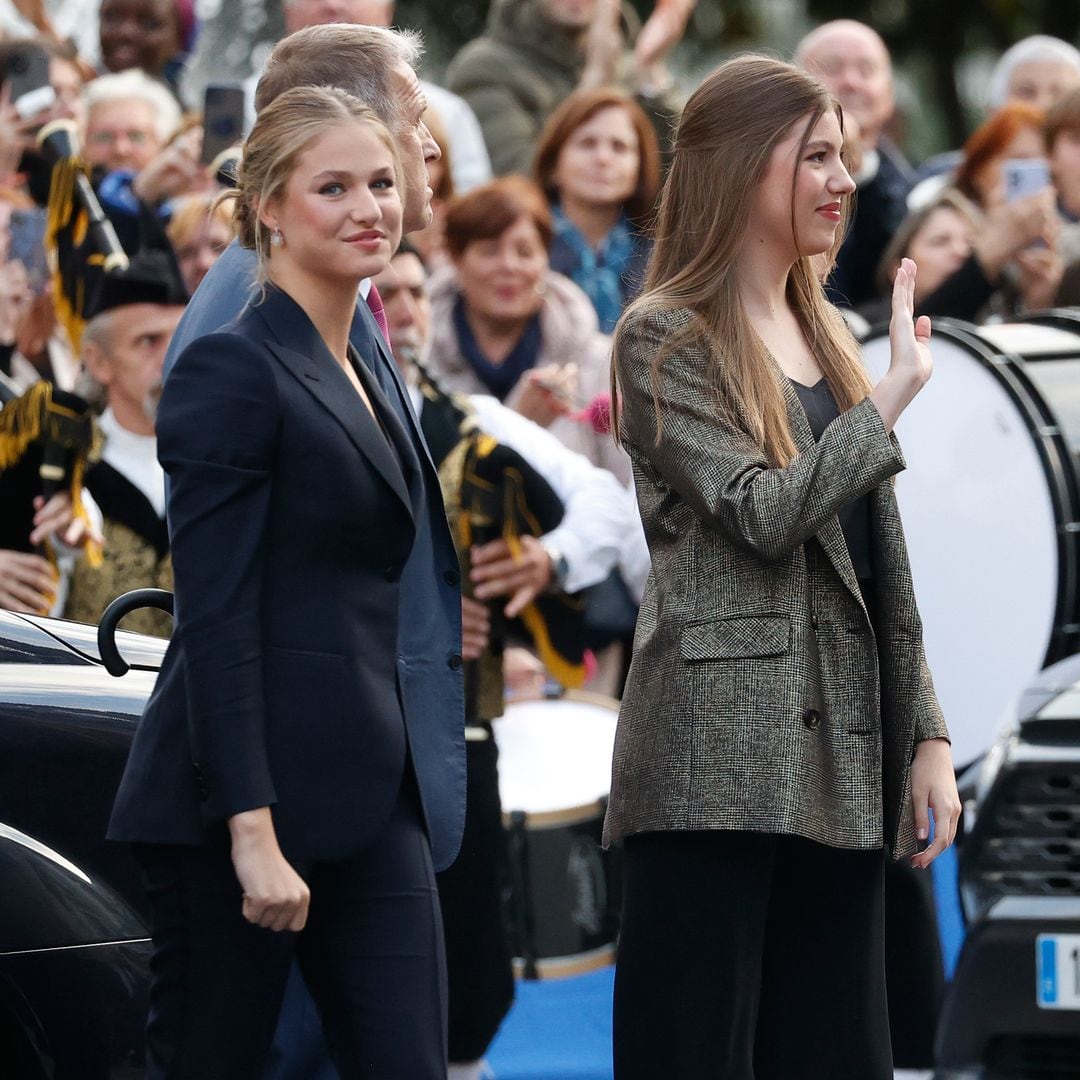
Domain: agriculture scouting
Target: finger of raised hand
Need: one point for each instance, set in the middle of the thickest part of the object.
(910, 286)
(900, 290)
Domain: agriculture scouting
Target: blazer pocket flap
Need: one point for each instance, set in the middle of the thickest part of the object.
(741, 636)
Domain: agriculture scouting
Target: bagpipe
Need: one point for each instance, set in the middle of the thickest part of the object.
(78, 234)
(46, 434)
(491, 492)
(46, 437)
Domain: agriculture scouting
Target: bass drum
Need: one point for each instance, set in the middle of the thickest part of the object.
(554, 777)
(990, 504)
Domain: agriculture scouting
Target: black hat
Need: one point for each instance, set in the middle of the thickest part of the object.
(152, 277)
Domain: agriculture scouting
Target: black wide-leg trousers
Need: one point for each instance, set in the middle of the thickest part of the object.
(750, 956)
(371, 955)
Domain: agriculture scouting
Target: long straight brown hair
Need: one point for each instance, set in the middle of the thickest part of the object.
(723, 144)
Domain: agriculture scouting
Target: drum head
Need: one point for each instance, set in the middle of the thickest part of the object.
(555, 754)
(981, 501)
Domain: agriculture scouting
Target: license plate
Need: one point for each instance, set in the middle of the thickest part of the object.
(1057, 961)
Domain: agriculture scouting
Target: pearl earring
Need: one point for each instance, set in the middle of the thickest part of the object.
(276, 239)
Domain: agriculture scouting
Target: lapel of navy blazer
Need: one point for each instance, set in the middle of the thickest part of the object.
(309, 362)
(759, 696)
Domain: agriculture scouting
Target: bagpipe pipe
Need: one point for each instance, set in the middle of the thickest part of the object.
(46, 434)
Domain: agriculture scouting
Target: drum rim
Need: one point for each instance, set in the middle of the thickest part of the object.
(1062, 479)
(539, 820)
(586, 697)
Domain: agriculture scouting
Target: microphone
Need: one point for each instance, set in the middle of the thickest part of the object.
(58, 143)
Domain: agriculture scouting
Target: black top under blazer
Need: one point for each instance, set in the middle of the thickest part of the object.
(760, 696)
(293, 513)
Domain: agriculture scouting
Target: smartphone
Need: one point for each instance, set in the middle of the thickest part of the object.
(223, 119)
(28, 83)
(1024, 177)
(27, 245)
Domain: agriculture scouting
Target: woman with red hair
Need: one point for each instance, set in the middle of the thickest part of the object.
(1015, 132)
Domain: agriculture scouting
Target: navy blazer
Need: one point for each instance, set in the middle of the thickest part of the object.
(293, 678)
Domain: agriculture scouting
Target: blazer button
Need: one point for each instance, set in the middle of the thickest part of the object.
(452, 577)
(811, 718)
(454, 663)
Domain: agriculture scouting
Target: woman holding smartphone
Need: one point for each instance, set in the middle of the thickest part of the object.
(271, 768)
(779, 734)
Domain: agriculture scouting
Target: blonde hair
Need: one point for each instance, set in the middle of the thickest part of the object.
(723, 146)
(190, 213)
(282, 132)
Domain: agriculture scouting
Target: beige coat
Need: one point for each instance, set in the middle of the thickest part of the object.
(759, 696)
(569, 333)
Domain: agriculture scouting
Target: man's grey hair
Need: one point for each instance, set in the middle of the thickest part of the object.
(1041, 48)
(98, 331)
(358, 59)
(135, 85)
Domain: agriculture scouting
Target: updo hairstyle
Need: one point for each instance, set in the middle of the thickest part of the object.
(282, 132)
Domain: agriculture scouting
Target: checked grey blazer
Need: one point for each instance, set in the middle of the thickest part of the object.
(759, 696)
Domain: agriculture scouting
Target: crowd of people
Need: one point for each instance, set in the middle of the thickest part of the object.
(529, 190)
(570, 106)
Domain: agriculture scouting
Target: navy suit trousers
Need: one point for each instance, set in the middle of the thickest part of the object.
(371, 954)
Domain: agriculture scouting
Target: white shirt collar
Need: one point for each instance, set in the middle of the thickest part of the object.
(135, 458)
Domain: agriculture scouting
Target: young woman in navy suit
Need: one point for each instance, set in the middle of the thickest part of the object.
(270, 789)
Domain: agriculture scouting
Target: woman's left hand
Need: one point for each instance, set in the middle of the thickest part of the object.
(933, 787)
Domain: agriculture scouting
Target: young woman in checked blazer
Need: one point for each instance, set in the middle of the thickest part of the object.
(779, 736)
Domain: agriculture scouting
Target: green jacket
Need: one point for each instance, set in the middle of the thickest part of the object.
(523, 68)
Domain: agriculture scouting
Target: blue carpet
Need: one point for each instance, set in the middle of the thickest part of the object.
(557, 1030)
(949, 913)
(561, 1029)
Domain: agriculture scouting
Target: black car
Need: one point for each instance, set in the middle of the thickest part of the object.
(73, 942)
(1012, 1011)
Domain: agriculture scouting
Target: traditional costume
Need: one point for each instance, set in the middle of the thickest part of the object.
(126, 481)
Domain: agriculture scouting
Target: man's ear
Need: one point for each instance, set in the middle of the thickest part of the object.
(96, 362)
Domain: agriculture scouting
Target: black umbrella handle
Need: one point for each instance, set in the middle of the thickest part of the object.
(123, 605)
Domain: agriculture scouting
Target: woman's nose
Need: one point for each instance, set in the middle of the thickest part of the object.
(365, 207)
(841, 182)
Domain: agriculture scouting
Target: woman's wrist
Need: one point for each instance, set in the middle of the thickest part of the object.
(252, 827)
(894, 393)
